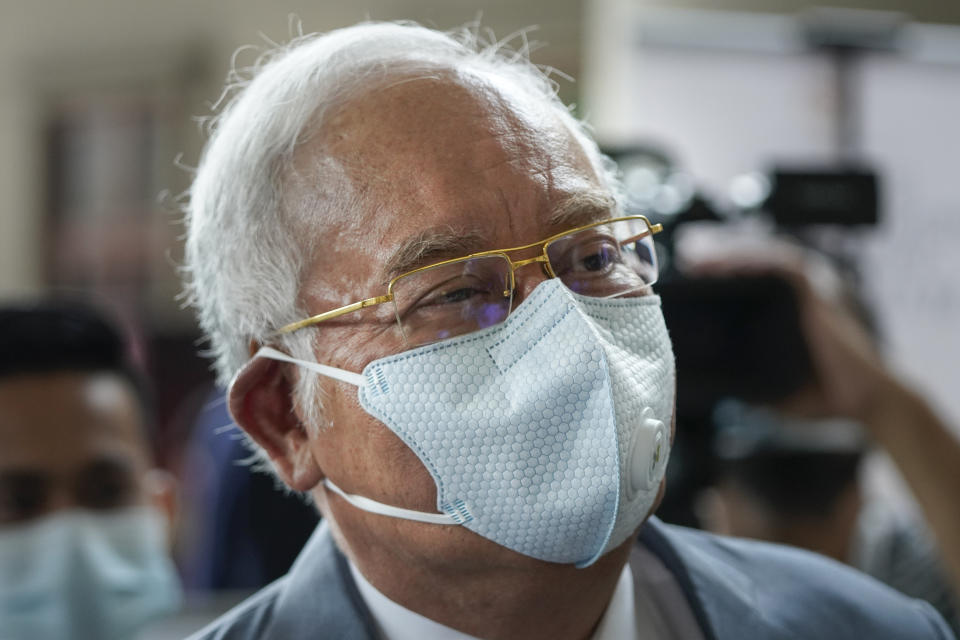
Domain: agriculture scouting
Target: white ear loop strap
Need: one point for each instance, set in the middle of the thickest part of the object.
(387, 510)
(331, 372)
(358, 501)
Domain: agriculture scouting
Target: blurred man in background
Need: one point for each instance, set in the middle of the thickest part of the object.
(790, 472)
(84, 518)
(802, 482)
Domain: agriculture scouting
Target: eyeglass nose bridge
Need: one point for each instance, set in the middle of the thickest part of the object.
(542, 259)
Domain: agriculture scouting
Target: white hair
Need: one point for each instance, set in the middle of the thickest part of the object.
(243, 253)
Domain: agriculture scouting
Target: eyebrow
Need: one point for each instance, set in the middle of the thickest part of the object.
(583, 207)
(107, 465)
(441, 243)
(432, 245)
(22, 477)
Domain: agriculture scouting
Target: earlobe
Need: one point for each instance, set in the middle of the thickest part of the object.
(162, 494)
(260, 400)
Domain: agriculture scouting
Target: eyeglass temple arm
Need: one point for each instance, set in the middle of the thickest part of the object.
(653, 229)
(312, 320)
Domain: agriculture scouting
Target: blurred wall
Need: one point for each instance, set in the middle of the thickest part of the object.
(920, 10)
(50, 48)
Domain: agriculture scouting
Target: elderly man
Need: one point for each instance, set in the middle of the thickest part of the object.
(410, 262)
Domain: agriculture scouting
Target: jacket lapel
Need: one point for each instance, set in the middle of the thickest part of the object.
(720, 594)
(320, 597)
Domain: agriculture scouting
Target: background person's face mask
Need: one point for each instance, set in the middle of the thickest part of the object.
(547, 434)
(85, 575)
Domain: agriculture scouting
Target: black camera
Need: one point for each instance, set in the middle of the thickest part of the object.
(734, 337)
(740, 336)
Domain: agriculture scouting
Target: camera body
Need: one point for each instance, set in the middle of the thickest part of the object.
(734, 337)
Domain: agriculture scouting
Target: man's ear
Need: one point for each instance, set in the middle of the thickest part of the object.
(260, 400)
(163, 495)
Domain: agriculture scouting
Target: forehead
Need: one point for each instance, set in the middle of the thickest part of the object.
(61, 421)
(461, 151)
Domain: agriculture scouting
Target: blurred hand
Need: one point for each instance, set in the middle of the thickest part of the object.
(850, 378)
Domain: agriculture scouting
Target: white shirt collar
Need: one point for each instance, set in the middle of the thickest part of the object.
(396, 622)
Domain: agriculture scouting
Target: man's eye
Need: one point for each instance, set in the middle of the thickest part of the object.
(599, 261)
(106, 484)
(597, 257)
(458, 295)
(452, 293)
(22, 496)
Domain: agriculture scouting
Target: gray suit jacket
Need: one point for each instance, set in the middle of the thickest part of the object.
(737, 590)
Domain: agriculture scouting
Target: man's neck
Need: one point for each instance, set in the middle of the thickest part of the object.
(536, 600)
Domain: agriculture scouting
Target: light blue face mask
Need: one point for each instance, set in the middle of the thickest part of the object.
(546, 434)
(82, 575)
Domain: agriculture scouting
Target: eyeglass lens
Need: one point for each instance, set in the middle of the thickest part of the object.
(453, 299)
(607, 260)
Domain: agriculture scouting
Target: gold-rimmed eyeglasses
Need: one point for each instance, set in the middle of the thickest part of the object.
(606, 259)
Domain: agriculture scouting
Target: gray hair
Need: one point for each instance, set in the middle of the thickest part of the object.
(243, 253)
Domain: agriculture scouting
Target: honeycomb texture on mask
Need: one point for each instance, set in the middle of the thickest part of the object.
(640, 358)
(518, 423)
